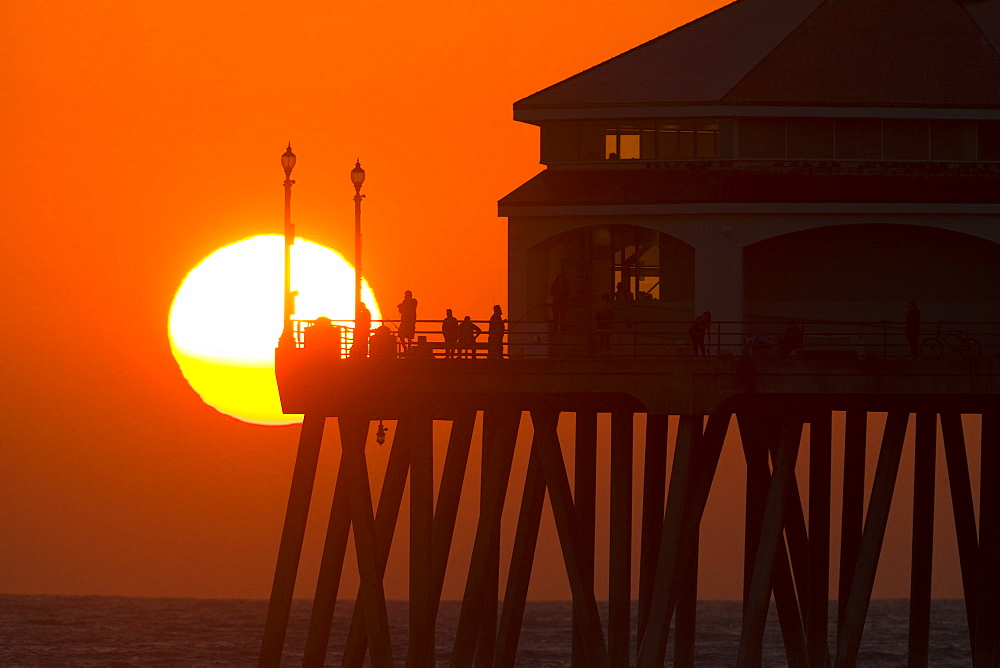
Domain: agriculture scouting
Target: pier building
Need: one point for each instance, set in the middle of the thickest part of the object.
(802, 170)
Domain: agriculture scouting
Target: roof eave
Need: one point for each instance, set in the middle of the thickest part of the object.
(539, 114)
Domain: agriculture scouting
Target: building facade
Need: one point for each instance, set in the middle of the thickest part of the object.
(773, 161)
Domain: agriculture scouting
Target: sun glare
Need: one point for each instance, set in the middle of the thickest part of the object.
(226, 318)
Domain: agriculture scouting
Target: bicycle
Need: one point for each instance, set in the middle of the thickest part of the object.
(956, 342)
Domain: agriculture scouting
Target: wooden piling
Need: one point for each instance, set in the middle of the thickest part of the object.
(620, 540)
(292, 534)
(585, 502)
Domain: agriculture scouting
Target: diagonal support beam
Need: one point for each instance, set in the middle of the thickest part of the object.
(770, 537)
(557, 483)
(353, 437)
(386, 518)
(690, 483)
(496, 467)
(521, 560)
(330, 569)
(986, 651)
(290, 547)
(966, 532)
(449, 495)
(849, 638)
(756, 435)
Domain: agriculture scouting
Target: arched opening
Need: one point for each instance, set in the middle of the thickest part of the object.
(869, 272)
(655, 272)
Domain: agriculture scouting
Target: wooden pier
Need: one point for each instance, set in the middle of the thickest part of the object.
(766, 401)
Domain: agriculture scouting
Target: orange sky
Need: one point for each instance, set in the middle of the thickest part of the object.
(141, 136)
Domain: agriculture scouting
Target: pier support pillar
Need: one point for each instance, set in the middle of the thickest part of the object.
(620, 540)
(585, 502)
(986, 651)
(290, 547)
(817, 604)
(849, 637)
(964, 512)
(654, 485)
(421, 627)
(923, 538)
(852, 505)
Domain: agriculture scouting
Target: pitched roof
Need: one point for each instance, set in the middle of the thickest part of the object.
(597, 187)
(933, 53)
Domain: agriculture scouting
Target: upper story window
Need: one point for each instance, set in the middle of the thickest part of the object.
(655, 139)
(868, 139)
(666, 139)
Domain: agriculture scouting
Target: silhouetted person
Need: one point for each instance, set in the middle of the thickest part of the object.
(323, 335)
(622, 293)
(913, 329)
(467, 333)
(604, 316)
(792, 340)
(407, 319)
(382, 344)
(362, 330)
(494, 339)
(559, 292)
(449, 329)
(698, 329)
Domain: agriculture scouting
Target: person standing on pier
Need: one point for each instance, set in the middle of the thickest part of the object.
(362, 330)
(494, 340)
(698, 329)
(407, 320)
(449, 329)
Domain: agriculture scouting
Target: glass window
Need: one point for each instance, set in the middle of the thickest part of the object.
(611, 151)
(859, 138)
(762, 138)
(675, 138)
(905, 139)
(706, 143)
(630, 140)
(989, 140)
(953, 140)
(810, 138)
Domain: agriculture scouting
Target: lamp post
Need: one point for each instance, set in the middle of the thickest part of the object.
(287, 334)
(357, 178)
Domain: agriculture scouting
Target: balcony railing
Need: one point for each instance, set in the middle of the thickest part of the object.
(775, 339)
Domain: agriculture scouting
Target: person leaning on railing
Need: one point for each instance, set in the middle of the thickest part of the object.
(467, 333)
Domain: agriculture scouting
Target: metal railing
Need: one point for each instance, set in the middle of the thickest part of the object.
(776, 339)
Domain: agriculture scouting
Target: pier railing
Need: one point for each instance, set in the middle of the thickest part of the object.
(777, 339)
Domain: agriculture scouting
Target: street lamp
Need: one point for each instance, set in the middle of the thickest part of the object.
(287, 334)
(358, 179)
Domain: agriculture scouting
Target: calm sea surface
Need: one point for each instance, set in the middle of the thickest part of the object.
(118, 631)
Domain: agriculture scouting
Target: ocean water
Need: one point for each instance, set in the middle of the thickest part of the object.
(119, 631)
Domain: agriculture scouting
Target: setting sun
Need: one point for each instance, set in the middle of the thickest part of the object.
(226, 318)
